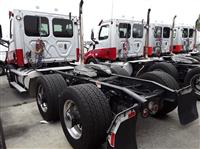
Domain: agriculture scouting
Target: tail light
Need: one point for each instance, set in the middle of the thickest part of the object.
(177, 48)
(19, 57)
(150, 51)
(77, 54)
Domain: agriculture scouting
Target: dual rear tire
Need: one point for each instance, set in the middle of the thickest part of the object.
(49, 88)
(166, 80)
(83, 110)
(92, 113)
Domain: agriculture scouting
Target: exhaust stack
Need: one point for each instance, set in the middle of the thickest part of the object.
(172, 35)
(147, 34)
(81, 31)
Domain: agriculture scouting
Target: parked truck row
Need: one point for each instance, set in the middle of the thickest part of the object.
(98, 103)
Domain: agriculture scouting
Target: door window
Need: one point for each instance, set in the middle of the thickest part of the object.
(191, 32)
(36, 26)
(62, 28)
(185, 33)
(137, 31)
(166, 32)
(104, 32)
(158, 32)
(124, 30)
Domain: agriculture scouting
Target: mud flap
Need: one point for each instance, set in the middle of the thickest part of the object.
(187, 108)
(125, 135)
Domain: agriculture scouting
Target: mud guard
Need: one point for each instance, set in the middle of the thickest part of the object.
(122, 134)
(187, 108)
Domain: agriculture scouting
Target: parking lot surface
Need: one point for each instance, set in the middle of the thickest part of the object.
(23, 128)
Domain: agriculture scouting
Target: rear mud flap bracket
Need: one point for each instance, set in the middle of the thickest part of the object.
(187, 108)
(122, 133)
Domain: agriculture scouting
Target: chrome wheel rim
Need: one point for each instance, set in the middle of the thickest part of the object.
(70, 112)
(42, 99)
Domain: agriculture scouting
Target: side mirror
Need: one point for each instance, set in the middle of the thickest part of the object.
(96, 42)
(0, 32)
(92, 35)
(198, 24)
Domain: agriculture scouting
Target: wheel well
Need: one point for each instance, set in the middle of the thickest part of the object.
(89, 58)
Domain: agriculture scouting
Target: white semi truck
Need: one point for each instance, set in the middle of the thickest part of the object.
(118, 39)
(39, 42)
(183, 39)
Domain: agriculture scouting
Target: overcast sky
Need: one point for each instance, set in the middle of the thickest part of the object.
(95, 10)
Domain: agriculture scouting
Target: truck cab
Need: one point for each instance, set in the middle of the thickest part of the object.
(38, 38)
(159, 38)
(39, 43)
(183, 39)
(118, 39)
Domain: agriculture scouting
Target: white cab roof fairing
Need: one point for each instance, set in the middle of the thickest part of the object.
(40, 13)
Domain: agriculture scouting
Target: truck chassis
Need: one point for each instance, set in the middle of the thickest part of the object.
(96, 106)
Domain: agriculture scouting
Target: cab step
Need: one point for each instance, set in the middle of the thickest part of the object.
(18, 87)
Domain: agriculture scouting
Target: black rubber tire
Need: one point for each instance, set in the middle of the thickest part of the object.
(119, 70)
(189, 76)
(166, 67)
(167, 80)
(95, 115)
(92, 60)
(2, 69)
(9, 74)
(53, 86)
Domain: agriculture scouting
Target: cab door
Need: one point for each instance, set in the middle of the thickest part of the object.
(104, 37)
(104, 49)
(124, 40)
(137, 39)
(54, 33)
